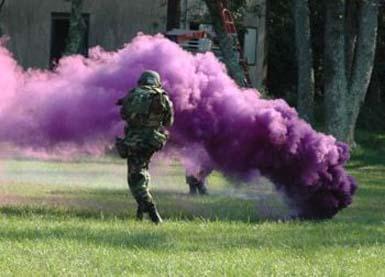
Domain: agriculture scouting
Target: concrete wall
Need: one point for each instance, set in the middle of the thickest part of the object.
(112, 23)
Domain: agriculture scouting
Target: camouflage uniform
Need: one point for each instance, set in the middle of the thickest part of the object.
(147, 110)
(197, 183)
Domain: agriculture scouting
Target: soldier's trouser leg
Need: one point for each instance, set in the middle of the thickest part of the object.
(196, 185)
(193, 189)
(138, 181)
(191, 184)
(202, 188)
(140, 210)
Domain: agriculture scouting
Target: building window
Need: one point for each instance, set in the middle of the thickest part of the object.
(59, 33)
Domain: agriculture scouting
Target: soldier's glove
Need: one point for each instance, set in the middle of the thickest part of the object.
(121, 147)
(119, 102)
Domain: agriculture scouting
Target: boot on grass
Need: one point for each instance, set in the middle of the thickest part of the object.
(154, 214)
(140, 212)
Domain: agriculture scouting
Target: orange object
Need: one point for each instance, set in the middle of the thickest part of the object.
(229, 27)
(191, 35)
(228, 21)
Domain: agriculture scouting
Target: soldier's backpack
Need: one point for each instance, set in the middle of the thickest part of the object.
(144, 107)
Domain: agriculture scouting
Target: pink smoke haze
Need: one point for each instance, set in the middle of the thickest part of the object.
(218, 126)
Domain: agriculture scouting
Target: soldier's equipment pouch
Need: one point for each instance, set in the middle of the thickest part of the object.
(158, 140)
(121, 147)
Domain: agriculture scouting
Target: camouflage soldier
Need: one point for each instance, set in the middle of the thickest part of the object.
(147, 110)
(196, 184)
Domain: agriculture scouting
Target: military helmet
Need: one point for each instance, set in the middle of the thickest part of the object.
(151, 78)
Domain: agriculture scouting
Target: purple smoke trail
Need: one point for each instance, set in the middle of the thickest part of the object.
(221, 126)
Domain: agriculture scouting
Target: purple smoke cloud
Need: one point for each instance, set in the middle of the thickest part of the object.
(218, 125)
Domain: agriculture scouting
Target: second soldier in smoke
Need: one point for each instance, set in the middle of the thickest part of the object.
(197, 182)
(147, 110)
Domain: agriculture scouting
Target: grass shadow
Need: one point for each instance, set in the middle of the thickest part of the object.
(369, 152)
(111, 203)
(130, 239)
(294, 235)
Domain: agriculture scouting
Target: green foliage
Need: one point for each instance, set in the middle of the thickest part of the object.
(372, 117)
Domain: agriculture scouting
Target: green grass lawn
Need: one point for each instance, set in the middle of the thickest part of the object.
(77, 218)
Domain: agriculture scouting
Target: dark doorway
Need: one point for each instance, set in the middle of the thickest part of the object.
(59, 33)
(173, 14)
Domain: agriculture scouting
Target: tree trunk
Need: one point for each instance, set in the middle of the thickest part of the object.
(77, 28)
(347, 81)
(363, 62)
(227, 44)
(335, 74)
(351, 29)
(1, 6)
(305, 82)
(173, 14)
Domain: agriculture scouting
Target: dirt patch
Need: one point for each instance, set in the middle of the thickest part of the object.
(63, 202)
(6, 200)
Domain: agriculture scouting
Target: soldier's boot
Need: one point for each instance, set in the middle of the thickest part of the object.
(202, 188)
(140, 212)
(193, 189)
(154, 214)
(141, 208)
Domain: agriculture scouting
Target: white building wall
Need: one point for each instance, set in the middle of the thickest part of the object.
(112, 23)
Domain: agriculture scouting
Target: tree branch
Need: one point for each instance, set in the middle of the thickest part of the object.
(335, 83)
(2, 4)
(351, 29)
(305, 75)
(226, 44)
(365, 51)
(363, 62)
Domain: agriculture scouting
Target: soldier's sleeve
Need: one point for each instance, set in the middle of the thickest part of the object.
(121, 101)
(169, 111)
(124, 102)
